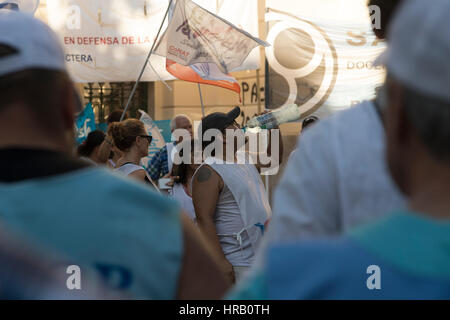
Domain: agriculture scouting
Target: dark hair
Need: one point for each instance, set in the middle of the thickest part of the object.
(124, 133)
(93, 140)
(181, 169)
(115, 116)
(309, 121)
(388, 9)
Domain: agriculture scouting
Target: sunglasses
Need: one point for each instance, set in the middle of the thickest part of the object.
(149, 138)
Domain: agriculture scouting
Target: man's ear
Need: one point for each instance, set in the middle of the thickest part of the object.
(70, 105)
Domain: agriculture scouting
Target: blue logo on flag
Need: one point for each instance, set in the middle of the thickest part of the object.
(85, 123)
(164, 128)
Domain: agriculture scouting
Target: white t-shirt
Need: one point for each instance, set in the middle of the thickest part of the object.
(128, 168)
(336, 179)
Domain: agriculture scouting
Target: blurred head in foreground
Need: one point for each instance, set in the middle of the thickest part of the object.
(416, 98)
(39, 101)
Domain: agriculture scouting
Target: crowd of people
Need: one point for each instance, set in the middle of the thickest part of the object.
(365, 190)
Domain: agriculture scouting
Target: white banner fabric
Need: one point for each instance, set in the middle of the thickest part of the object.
(322, 54)
(109, 40)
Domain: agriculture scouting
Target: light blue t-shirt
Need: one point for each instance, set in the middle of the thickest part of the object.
(129, 234)
(404, 256)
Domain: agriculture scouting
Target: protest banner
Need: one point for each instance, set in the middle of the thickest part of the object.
(321, 55)
(108, 40)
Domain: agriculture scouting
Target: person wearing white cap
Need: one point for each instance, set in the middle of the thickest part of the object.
(404, 255)
(135, 239)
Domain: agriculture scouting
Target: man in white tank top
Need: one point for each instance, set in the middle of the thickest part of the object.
(231, 205)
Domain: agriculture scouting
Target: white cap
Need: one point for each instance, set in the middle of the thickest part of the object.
(418, 54)
(36, 44)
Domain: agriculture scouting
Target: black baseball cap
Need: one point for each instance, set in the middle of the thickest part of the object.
(220, 120)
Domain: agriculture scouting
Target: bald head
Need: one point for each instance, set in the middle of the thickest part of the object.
(181, 122)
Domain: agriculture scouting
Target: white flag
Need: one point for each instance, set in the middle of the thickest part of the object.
(196, 35)
(210, 71)
(158, 140)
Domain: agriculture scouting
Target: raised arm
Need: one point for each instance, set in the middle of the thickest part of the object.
(279, 140)
(261, 157)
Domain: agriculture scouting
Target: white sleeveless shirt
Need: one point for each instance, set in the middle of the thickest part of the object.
(129, 168)
(185, 201)
(241, 211)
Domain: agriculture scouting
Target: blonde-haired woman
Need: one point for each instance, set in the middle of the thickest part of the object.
(131, 138)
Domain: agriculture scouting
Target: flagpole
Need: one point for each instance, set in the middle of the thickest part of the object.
(145, 64)
(201, 99)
